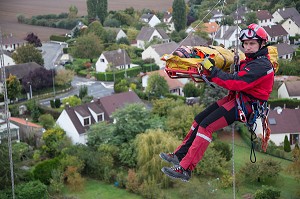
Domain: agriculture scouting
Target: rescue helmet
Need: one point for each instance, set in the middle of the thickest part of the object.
(253, 31)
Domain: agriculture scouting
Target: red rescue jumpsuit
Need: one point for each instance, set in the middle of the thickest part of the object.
(254, 80)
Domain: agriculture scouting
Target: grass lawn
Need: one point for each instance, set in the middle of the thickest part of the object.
(285, 182)
(99, 190)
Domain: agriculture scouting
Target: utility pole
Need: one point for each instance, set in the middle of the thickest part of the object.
(6, 110)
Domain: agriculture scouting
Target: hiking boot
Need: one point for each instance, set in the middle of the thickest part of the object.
(177, 172)
(169, 157)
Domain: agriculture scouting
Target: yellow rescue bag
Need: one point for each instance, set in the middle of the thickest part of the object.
(178, 67)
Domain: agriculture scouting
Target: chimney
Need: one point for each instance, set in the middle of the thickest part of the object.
(67, 105)
(283, 9)
(284, 106)
(98, 100)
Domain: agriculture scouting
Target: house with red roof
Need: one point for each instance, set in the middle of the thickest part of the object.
(28, 130)
(175, 86)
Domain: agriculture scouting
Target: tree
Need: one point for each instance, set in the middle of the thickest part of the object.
(87, 47)
(39, 78)
(101, 10)
(179, 14)
(97, 9)
(96, 28)
(213, 94)
(64, 77)
(47, 121)
(13, 87)
(73, 12)
(148, 145)
(33, 39)
(130, 121)
(251, 18)
(163, 107)
(72, 101)
(157, 86)
(294, 167)
(287, 145)
(83, 91)
(190, 90)
(100, 133)
(27, 53)
(91, 9)
(54, 141)
(180, 118)
(264, 170)
(121, 86)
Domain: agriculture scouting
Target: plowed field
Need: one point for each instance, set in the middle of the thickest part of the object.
(9, 9)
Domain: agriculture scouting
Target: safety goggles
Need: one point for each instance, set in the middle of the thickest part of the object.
(248, 34)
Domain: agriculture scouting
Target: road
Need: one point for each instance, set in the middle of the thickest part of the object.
(51, 54)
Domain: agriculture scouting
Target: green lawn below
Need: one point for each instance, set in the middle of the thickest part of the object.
(285, 183)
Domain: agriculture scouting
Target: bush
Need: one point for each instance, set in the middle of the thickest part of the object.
(267, 192)
(32, 190)
(47, 121)
(57, 103)
(224, 149)
(287, 145)
(43, 170)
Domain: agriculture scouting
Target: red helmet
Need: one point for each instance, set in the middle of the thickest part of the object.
(253, 31)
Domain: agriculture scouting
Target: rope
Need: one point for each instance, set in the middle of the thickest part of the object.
(233, 168)
(7, 118)
(212, 42)
(191, 32)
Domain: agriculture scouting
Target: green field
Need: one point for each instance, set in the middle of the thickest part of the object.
(285, 183)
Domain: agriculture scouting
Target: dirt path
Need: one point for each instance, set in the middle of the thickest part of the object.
(10, 9)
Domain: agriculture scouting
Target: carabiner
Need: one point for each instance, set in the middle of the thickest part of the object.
(242, 116)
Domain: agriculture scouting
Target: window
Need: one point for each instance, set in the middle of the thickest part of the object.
(272, 121)
(100, 118)
(101, 60)
(86, 121)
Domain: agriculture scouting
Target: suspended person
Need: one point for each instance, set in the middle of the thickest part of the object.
(252, 82)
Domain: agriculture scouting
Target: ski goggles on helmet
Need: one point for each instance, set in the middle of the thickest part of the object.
(248, 34)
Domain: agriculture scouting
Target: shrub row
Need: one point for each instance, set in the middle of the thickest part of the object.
(288, 103)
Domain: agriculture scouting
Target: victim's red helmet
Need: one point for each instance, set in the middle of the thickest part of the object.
(253, 31)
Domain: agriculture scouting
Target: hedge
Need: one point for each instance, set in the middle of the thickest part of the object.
(120, 74)
(288, 103)
(58, 38)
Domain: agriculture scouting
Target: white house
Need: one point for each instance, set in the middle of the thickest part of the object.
(217, 16)
(147, 34)
(285, 51)
(289, 89)
(14, 131)
(168, 20)
(117, 59)
(11, 43)
(292, 25)
(284, 122)
(264, 18)
(157, 51)
(276, 33)
(119, 32)
(226, 35)
(283, 14)
(175, 86)
(150, 19)
(7, 59)
(77, 120)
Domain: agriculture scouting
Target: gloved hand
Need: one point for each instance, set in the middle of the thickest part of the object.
(208, 63)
